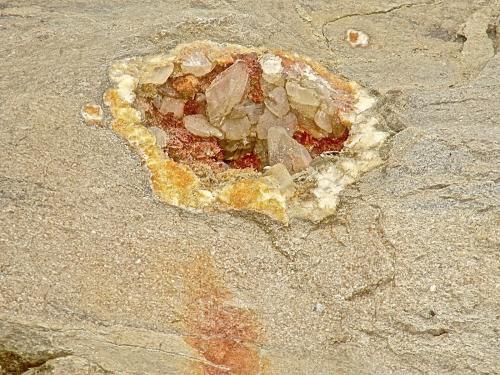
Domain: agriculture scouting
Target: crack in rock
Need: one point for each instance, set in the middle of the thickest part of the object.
(369, 289)
(375, 12)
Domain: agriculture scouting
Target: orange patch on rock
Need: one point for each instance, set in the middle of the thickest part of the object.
(225, 335)
(187, 85)
(249, 160)
(353, 36)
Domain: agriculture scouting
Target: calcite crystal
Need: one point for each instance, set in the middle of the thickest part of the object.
(230, 127)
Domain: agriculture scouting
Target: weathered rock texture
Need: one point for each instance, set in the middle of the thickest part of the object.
(98, 276)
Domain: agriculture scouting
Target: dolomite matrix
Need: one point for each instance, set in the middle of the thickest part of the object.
(229, 127)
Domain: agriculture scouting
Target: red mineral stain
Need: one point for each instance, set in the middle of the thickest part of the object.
(185, 147)
(317, 146)
(194, 107)
(249, 160)
(254, 70)
(225, 335)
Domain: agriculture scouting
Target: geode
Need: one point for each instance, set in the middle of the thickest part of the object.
(229, 127)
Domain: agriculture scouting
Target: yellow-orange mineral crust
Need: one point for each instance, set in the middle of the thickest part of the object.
(253, 194)
(152, 95)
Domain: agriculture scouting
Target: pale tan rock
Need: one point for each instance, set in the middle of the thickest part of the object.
(282, 148)
(365, 266)
(226, 91)
(199, 125)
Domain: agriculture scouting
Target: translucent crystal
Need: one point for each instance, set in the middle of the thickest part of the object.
(290, 122)
(171, 105)
(268, 119)
(310, 126)
(285, 181)
(236, 129)
(323, 120)
(199, 125)
(226, 91)
(248, 108)
(303, 99)
(158, 75)
(277, 102)
(196, 64)
(282, 148)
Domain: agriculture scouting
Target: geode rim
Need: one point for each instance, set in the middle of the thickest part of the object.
(312, 193)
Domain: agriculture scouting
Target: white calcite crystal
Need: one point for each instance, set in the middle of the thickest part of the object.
(363, 156)
(196, 64)
(272, 68)
(226, 91)
(199, 125)
(284, 149)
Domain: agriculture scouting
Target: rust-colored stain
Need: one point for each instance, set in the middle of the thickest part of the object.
(226, 335)
(353, 36)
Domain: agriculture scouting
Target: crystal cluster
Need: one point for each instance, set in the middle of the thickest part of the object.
(243, 110)
(225, 126)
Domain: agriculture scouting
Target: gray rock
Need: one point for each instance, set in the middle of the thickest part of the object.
(408, 267)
